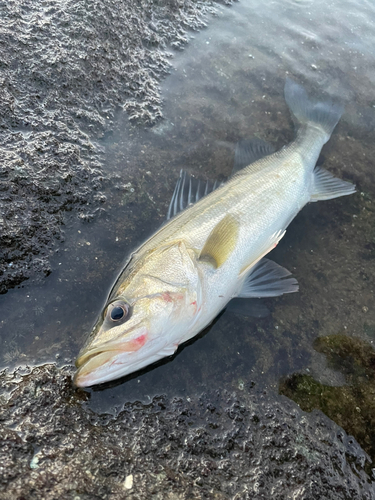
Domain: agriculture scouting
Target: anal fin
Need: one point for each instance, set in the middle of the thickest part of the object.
(327, 187)
(268, 279)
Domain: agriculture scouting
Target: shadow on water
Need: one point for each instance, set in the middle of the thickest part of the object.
(227, 85)
(178, 386)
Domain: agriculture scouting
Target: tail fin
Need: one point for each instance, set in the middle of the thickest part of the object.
(323, 115)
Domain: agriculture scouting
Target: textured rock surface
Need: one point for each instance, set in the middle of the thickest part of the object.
(238, 445)
(352, 403)
(66, 67)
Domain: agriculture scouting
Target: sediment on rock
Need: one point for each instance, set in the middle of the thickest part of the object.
(66, 69)
(241, 444)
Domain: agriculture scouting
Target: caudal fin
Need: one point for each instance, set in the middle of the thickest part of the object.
(323, 115)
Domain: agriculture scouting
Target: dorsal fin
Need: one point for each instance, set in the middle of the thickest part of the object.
(189, 190)
(249, 151)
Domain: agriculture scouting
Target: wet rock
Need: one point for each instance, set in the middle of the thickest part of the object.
(351, 405)
(221, 444)
(66, 70)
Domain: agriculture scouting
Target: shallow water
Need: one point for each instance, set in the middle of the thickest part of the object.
(227, 85)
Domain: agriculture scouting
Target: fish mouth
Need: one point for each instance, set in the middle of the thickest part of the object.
(101, 364)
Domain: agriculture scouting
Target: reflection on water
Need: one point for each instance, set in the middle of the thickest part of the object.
(227, 85)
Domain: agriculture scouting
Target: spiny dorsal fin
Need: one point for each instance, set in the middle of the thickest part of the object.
(189, 190)
(249, 151)
(327, 187)
(268, 279)
(221, 241)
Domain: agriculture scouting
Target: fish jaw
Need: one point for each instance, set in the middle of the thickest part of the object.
(113, 360)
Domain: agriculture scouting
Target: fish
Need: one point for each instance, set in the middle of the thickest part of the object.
(212, 247)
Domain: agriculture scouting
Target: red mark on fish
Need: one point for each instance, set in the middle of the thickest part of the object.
(141, 340)
(194, 304)
(134, 344)
(166, 296)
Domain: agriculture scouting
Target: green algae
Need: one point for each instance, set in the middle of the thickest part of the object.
(351, 406)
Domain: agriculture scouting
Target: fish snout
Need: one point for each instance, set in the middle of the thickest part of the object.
(102, 364)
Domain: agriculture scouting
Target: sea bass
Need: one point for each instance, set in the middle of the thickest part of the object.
(212, 248)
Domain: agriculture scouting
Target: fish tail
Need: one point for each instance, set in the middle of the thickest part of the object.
(322, 115)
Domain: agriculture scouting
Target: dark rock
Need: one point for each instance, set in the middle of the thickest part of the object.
(66, 69)
(221, 444)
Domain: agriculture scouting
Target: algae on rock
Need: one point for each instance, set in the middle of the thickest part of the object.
(351, 406)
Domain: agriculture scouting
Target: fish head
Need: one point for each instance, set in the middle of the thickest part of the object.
(140, 325)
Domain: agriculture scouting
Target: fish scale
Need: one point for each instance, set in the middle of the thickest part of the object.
(179, 280)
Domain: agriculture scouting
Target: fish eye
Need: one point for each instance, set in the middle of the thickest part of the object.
(117, 311)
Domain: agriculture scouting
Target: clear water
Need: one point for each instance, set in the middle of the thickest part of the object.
(227, 85)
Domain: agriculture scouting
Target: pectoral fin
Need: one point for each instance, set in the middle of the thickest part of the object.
(268, 245)
(221, 241)
(327, 187)
(267, 279)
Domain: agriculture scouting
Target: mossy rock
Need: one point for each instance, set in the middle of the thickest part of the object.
(351, 406)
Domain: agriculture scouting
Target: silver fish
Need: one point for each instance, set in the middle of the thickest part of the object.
(212, 249)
